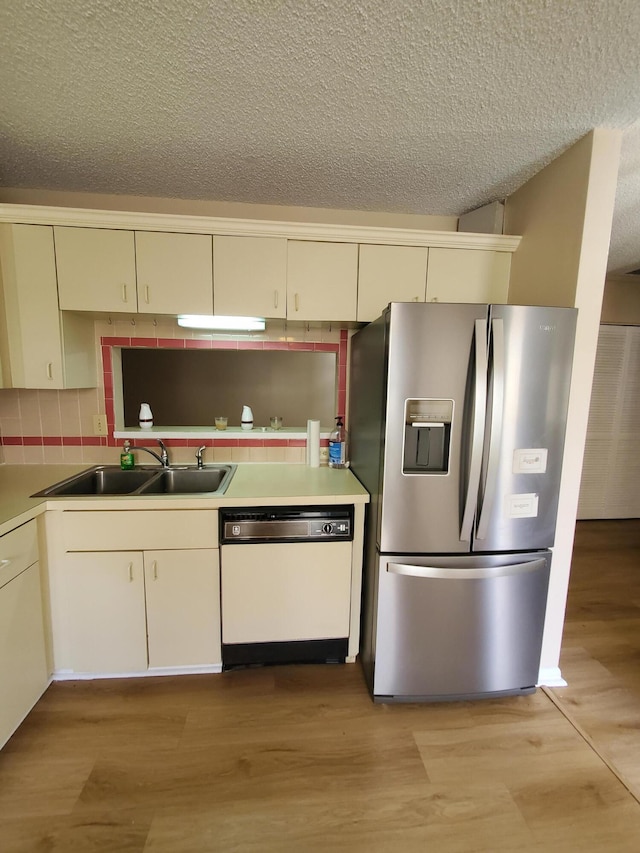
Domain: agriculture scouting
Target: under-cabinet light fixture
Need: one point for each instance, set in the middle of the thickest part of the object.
(221, 322)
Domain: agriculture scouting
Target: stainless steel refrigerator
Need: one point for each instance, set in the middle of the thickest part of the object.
(457, 417)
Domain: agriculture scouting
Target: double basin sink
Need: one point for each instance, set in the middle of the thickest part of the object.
(112, 480)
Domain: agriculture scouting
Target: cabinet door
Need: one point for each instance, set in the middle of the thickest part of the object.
(288, 591)
(23, 664)
(183, 607)
(468, 275)
(96, 269)
(322, 280)
(175, 274)
(41, 348)
(103, 629)
(389, 274)
(250, 276)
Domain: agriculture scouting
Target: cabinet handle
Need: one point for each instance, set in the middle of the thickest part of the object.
(146, 293)
(155, 570)
(49, 370)
(124, 292)
(130, 572)
(275, 298)
(296, 301)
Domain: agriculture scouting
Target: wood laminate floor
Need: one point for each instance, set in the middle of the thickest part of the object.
(298, 759)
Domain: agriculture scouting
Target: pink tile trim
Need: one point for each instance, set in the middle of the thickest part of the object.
(171, 343)
(198, 344)
(52, 440)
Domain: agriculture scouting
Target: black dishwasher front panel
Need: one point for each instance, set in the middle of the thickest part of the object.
(286, 524)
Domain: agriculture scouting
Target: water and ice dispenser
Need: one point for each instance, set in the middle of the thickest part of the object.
(427, 436)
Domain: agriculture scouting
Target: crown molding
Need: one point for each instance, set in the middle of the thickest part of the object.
(31, 214)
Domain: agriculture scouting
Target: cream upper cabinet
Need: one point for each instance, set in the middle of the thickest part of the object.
(322, 280)
(96, 269)
(183, 607)
(389, 274)
(40, 347)
(250, 276)
(468, 275)
(175, 274)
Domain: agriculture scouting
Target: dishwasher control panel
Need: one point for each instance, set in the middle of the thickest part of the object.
(286, 524)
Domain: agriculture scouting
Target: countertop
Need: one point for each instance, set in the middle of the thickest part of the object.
(252, 484)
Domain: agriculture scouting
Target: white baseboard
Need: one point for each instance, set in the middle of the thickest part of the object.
(550, 676)
(70, 675)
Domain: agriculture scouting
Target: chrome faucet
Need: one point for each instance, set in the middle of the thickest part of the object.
(163, 457)
(199, 453)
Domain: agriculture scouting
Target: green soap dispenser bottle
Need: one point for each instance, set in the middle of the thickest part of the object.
(127, 462)
(338, 446)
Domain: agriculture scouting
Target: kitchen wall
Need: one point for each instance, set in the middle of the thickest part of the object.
(239, 210)
(57, 426)
(621, 302)
(564, 215)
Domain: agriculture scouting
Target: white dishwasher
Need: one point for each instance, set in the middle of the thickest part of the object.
(285, 584)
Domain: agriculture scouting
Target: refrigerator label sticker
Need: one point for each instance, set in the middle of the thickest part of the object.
(531, 460)
(522, 506)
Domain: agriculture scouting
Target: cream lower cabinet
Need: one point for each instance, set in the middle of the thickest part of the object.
(120, 605)
(130, 611)
(24, 672)
(182, 591)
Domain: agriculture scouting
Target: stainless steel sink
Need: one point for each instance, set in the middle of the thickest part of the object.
(187, 481)
(112, 480)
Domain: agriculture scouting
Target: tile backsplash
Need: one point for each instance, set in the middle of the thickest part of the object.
(42, 426)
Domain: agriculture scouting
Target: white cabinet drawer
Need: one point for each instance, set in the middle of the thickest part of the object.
(18, 551)
(140, 530)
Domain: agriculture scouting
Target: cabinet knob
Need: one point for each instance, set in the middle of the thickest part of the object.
(130, 572)
(296, 302)
(155, 570)
(124, 293)
(49, 370)
(275, 298)
(146, 293)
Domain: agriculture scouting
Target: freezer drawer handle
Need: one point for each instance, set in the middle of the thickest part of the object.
(465, 574)
(479, 411)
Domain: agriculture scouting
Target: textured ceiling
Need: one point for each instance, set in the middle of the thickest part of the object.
(392, 105)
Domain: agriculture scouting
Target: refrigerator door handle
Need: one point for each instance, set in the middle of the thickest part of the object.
(477, 436)
(495, 437)
(465, 574)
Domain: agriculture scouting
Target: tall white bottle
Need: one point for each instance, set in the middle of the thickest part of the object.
(246, 419)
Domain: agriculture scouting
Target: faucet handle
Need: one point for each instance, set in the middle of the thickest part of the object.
(164, 455)
(199, 453)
